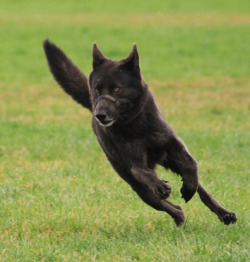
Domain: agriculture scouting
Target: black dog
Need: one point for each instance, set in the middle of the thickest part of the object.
(131, 129)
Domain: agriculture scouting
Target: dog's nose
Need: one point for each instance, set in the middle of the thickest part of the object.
(101, 116)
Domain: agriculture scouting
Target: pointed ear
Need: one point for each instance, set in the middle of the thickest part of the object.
(131, 63)
(98, 57)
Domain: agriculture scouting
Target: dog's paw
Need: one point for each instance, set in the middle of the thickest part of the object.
(162, 190)
(229, 218)
(180, 219)
(189, 189)
(187, 193)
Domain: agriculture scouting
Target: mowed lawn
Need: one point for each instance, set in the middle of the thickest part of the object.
(60, 200)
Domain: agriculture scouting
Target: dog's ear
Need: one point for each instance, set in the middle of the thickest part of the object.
(68, 76)
(131, 63)
(98, 57)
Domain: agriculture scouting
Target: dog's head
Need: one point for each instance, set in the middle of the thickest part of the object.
(116, 88)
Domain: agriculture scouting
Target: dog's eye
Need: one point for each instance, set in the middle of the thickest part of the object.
(97, 91)
(116, 89)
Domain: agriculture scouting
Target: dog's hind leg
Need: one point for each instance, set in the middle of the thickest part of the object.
(179, 160)
(225, 216)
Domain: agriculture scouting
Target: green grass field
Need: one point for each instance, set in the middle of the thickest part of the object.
(60, 200)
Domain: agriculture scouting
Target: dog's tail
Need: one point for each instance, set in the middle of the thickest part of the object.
(68, 76)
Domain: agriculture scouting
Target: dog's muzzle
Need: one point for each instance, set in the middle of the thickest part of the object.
(121, 104)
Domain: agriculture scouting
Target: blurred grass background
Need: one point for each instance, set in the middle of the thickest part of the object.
(60, 199)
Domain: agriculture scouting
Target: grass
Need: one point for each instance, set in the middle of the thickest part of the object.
(59, 197)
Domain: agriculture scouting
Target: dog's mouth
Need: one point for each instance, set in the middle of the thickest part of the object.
(105, 123)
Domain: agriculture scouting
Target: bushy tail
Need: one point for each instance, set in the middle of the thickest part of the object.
(68, 76)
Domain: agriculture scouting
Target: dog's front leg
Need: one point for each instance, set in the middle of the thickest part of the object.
(152, 200)
(148, 195)
(148, 177)
(180, 161)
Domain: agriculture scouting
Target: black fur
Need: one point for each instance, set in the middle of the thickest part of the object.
(131, 129)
